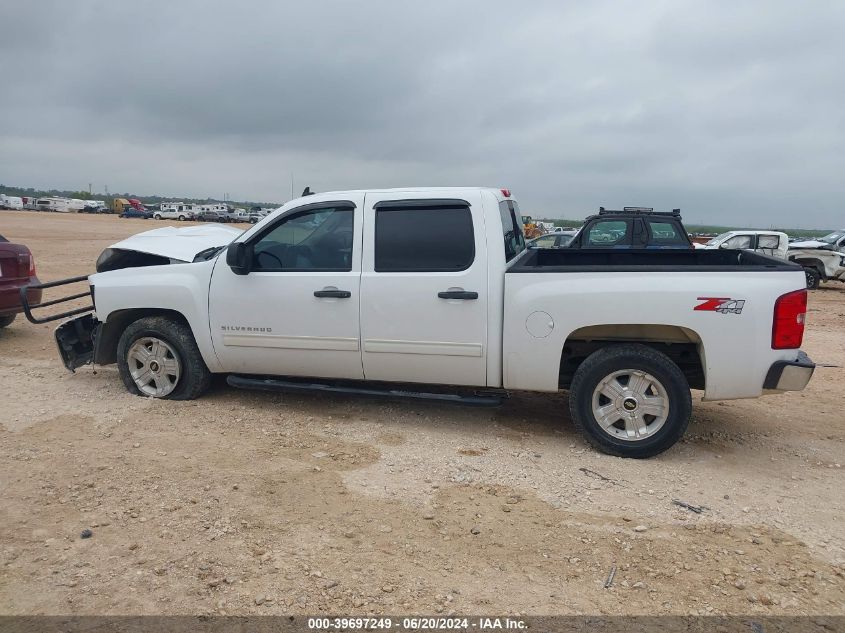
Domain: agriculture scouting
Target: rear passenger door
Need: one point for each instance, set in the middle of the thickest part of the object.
(423, 289)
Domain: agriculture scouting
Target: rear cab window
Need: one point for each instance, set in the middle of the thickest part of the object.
(511, 229)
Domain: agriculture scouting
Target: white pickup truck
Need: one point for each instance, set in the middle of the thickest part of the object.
(822, 259)
(367, 291)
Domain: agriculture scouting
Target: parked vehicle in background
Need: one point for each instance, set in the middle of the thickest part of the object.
(175, 211)
(772, 243)
(95, 206)
(435, 286)
(100, 204)
(256, 216)
(208, 215)
(633, 227)
(213, 213)
(132, 212)
(822, 259)
(530, 228)
(17, 270)
(119, 205)
(56, 205)
(832, 241)
(238, 215)
(558, 239)
(11, 203)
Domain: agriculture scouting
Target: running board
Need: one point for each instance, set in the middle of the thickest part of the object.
(274, 384)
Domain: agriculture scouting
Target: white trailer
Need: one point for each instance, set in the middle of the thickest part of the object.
(57, 205)
(13, 203)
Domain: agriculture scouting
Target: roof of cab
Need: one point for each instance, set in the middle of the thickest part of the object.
(498, 193)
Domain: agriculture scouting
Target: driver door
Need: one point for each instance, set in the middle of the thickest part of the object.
(296, 313)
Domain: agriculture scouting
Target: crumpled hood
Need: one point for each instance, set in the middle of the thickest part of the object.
(182, 244)
(808, 244)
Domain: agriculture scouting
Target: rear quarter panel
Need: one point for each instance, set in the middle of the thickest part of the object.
(735, 348)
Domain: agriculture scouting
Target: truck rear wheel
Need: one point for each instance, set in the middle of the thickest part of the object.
(158, 357)
(813, 278)
(630, 401)
(6, 321)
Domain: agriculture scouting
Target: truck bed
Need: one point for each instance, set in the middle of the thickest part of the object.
(564, 260)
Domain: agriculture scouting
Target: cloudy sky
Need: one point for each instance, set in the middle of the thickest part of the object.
(733, 111)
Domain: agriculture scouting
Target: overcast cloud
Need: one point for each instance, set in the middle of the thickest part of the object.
(732, 111)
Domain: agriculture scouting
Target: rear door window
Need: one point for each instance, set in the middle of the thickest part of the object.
(768, 241)
(435, 239)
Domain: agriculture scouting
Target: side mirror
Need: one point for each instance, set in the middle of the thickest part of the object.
(723, 245)
(239, 258)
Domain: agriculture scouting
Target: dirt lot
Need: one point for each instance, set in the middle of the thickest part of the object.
(246, 502)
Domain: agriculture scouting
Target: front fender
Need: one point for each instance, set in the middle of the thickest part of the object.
(176, 288)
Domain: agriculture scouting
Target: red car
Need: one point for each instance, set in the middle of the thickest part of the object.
(17, 269)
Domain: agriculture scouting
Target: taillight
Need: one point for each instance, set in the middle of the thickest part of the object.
(31, 265)
(788, 325)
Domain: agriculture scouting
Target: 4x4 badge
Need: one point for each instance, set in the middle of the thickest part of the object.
(725, 305)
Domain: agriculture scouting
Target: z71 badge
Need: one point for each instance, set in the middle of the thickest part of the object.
(725, 305)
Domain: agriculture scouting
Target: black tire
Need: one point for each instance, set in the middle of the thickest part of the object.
(181, 218)
(194, 378)
(813, 278)
(157, 216)
(604, 362)
(6, 321)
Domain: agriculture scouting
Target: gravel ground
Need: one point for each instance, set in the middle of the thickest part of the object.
(246, 502)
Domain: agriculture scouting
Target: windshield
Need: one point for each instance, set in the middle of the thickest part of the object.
(717, 239)
(832, 238)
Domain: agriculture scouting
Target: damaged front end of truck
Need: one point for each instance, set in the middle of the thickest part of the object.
(77, 338)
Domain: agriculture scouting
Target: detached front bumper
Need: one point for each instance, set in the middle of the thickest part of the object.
(76, 340)
(786, 375)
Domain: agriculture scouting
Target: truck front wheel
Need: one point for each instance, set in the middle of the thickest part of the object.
(630, 401)
(158, 357)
